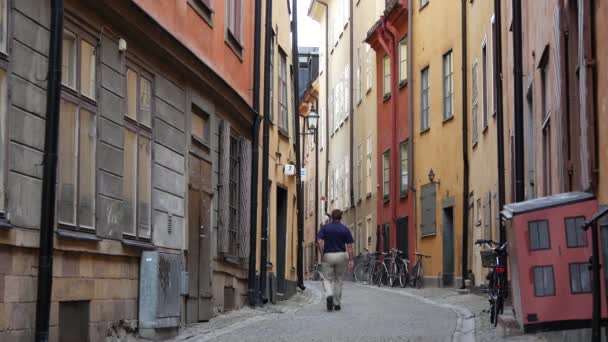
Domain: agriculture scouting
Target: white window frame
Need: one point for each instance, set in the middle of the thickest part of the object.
(368, 67)
(386, 76)
(403, 62)
(369, 163)
(448, 85)
(425, 112)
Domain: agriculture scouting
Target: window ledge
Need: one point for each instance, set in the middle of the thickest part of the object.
(424, 6)
(234, 45)
(386, 97)
(403, 195)
(403, 84)
(203, 11)
(283, 132)
(484, 130)
(5, 224)
(201, 143)
(475, 143)
(139, 244)
(424, 131)
(448, 119)
(76, 235)
(428, 235)
(369, 195)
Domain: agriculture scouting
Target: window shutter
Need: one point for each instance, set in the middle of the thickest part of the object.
(486, 217)
(224, 187)
(245, 198)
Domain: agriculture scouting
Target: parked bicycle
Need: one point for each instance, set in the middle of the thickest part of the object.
(398, 268)
(364, 268)
(495, 258)
(417, 275)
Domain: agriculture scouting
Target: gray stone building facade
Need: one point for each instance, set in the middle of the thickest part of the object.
(154, 161)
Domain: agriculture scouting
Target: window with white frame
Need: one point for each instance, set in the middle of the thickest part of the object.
(368, 177)
(137, 157)
(386, 76)
(234, 195)
(359, 171)
(475, 105)
(403, 151)
(283, 111)
(271, 77)
(3, 25)
(386, 167)
(76, 179)
(347, 93)
(234, 22)
(494, 91)
(358, 77)
(403, 61)
(321, 131)
(368, 67)
(425, 105)
(448, 86)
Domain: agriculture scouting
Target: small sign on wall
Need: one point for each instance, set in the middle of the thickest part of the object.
(290, 170)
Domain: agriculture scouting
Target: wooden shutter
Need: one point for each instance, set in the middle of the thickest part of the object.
(428, 203)
(244, 197)
(487, 224)
(224, 187)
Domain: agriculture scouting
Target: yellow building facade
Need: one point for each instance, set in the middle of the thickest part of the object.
(437, 132)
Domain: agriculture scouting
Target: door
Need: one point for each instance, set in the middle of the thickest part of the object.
(402, 235)
(198, 305)
(448, 246)
(281, 237)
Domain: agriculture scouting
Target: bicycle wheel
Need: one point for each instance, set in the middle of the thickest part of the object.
(393, 274)
(419, 279)
(360, 273)
(403, 274)
(377, 276)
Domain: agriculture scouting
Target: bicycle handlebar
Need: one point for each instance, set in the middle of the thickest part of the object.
(422, 255)
(489, 242)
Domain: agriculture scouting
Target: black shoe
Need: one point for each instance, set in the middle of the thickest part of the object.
(330, 303)
(337, 307)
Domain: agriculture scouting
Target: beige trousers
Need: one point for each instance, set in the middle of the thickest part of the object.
(333, 268)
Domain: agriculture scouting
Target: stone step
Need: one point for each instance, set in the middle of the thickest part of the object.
(507, 324)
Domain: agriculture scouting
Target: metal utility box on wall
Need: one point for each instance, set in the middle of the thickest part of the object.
(549, 261)
(159, 294)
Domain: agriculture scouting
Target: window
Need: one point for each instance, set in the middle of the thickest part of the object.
(478, 221)
(424, 100)
(233, 202)
(580, 278)
(137, 157)
(79, 63)
(575, 235)
(403, 150)
(544, 283)
(3, 25)
(359, 171)
(403, 61)
(321, 133)
(475, 107)
(546, 126)
(234, 20)
(494, 81)
(386, 174)
(369, 165)
(358, 77)
(368, 67)
(283, 111)
(3, 104)
(484, 87)
(204, 8)
(539, 235)
(200, 125)
(448, 86)
(386, 69)
(76, 167)
(271, 77)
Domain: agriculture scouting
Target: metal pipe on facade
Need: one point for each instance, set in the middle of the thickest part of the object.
(518, 110)
(410, 146)
(265, 152)
(299, 204)
(255, 131)
(499, 112)
(352, 115)
(316, 175)
(47, 214)
(465, 152)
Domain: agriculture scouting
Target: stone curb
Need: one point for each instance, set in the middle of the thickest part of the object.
(465, 325)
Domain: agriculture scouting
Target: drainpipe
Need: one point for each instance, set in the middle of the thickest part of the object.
(410, 93)
(47, 214)
(352, 117)
(596, 151)
(300, 205)
(518, 110)
(465, 152)
(316, 176)
(499, 113)
(255, 131)
(395, 144)
(265, 152)
(324, 4)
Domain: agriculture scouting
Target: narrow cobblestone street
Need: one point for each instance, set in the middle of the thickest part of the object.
(368, 314)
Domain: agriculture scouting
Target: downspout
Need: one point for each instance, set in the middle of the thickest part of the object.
(465, 152)
(596, 150)
(316, 176)
(518, 110)
(265, 152)
(324, 4)
(352, 116)
(499, 113)
(410, 93)
(296, 116)
(47, 214)
(255, 131)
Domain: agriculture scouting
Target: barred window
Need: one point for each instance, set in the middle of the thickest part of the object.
(234, 197)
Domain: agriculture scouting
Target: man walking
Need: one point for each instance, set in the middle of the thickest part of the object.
(335, 243)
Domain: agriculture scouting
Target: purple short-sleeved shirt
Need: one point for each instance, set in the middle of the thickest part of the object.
(336, 237)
